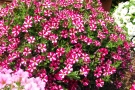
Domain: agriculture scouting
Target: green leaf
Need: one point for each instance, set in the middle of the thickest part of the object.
(117, 64)
(74, 75)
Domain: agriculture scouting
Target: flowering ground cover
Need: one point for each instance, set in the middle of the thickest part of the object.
(65, 44)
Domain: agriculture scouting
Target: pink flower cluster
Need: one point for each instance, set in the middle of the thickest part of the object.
(67, 43)
(19, 80)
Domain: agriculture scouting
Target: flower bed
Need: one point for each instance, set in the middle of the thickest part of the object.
(70, 44)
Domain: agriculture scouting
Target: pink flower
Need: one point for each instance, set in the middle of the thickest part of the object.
(73, 39)
(118, 84)
(72, 31)
(37, 18)
(116, 56)
(102, 22)
(53, 38)
(16, 30)
(55, 64)
(78, 5)
(85, 82)
(72, 59)
(47, 13)
(52, 56)
(101, 35)
(105, 30)
(103, 51)
(3, 48)
(26, 51)
(42, 47)
(39, 83)
(97, 72)
(68, 69)
(44, 33)
(34, 61)
(60, 75)
(64, 33)
(42, 74)
(97, 43)
(93, 26)
(86, 58)
(113, 37)
(19, 75)
(122, 37)
(4, 30)
(126, 45)
(99, 82)
(108, 70)
(84, 70)
(37, 10)
(24, 29)
(5, 79)
(47, 4)
(31, 86)
(60, 52)
(28, 22)
(13, 55)
(24, 61)
(31, 39)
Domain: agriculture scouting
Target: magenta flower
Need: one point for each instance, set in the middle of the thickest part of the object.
(47, 13)
(113, 37)
(47, 4)
(37, 11)
(99, 82)
(116, 56)
(52, 56)
(24, 29)
(13, 55)
(31, 39)
(60, 75)
(98, 72)
(73, 39)
(42, 74)
(97, 43)
(103, 51)
(85, 82)
(68, 69)
(60, 52)
(86, 58)
(37, 18)
(28, 22)
(42, 47)
(53, 38)
(64, 33)
(26, 51)
(34, 61)
(84, 70)
(55, 64)
(101, 35)
(16, 30)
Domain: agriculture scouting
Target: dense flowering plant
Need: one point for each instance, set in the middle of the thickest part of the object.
(69, 44)
(124, 16)
(19, 80)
